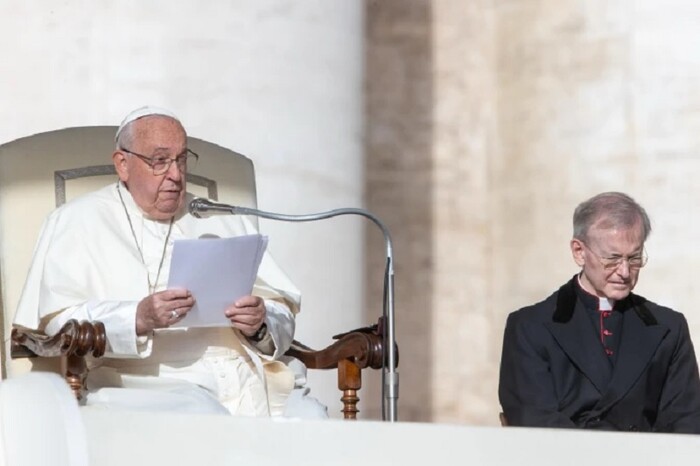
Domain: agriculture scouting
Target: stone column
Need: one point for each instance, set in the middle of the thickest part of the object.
(399, 183)
(488, 122)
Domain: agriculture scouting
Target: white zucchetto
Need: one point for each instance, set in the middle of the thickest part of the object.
(144, 111)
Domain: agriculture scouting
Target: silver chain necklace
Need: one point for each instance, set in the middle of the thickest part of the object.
(151, 286)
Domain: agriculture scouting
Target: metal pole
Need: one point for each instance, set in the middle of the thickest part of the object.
(390, 376)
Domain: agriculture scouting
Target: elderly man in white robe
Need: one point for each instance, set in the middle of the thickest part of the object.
(106, 256)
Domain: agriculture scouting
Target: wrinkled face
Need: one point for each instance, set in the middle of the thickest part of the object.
(605, 247)
(158, 196)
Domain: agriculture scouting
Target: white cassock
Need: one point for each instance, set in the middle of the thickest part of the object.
(87, 266)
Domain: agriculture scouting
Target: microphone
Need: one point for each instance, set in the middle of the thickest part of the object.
(203, 208)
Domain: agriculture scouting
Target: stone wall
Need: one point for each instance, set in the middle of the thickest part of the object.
(277, 80)
(399, 188)
(487, 122)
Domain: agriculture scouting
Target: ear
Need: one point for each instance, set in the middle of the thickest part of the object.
(577, 251)
(120, 165)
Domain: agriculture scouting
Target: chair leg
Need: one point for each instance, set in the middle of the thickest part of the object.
(349, 381)
(75, 371)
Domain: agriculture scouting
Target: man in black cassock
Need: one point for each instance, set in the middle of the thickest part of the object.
(594, 355)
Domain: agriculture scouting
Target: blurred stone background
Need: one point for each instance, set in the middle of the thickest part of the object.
(487, 122)
(472, 129)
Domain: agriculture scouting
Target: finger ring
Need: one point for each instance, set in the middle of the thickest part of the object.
(174, 314)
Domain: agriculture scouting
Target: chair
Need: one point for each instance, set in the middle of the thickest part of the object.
(41, 172)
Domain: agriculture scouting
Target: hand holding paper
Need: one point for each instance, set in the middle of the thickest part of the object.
(217, 271)
(247, 314)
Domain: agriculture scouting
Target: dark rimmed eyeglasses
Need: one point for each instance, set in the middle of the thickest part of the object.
(160, 164)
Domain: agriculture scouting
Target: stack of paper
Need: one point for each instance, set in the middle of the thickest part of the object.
(217, 271)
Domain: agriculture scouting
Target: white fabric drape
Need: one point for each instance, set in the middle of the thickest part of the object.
(86, 266)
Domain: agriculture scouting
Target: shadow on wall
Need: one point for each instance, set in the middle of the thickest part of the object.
(398, 174)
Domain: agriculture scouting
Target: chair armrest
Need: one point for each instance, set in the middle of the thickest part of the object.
(353, 351)
(364, 349)
(72, 343)
(74, 338)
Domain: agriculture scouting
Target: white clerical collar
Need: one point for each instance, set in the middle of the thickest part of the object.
(604, 304)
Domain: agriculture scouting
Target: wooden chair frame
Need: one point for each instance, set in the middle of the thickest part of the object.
(352, 351)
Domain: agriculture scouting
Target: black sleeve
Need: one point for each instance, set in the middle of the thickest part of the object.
(679, 405)
(526, 389)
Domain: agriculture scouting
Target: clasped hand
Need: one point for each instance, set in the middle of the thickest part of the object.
(165, 308)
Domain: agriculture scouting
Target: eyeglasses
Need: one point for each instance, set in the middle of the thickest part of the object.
(160, 164)
(613, 262)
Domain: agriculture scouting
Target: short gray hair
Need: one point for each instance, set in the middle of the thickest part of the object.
(619, 210)
(125, 138)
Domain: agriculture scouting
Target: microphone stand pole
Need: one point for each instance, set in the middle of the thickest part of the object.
(390, 377)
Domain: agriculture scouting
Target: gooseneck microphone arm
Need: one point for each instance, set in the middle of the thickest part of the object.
(390, 378)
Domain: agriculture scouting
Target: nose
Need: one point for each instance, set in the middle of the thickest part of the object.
(174, 172)
(624, 268)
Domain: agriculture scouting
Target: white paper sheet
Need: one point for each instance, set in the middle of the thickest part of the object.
(217, 271)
